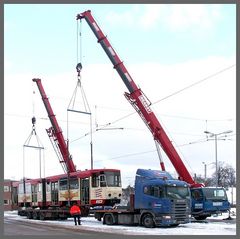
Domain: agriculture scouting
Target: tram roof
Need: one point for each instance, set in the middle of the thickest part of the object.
(79, 174)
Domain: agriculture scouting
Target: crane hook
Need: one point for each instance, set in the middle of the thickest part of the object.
(79, 68)
(33, 120)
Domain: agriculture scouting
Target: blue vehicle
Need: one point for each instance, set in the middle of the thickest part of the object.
(207, 201)
(159, 200)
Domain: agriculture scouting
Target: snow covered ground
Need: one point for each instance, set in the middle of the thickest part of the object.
(210, 227)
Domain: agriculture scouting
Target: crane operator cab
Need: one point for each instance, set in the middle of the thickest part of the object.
(207, 201)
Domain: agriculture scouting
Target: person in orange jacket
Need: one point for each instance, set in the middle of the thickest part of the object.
(75, 212)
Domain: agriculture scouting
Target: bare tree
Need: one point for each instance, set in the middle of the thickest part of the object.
(226, 175)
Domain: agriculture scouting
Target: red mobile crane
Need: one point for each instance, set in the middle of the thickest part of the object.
(55, 133)
(141, 104)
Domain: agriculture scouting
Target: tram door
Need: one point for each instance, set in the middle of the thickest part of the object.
(34, 189)
(84, 191)
(54, 192)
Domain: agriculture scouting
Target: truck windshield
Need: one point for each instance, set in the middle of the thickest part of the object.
(177, 192)
(215, 193)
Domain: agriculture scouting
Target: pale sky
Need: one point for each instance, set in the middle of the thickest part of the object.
(165, 49)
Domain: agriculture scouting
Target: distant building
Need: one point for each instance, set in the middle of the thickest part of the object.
(9, 197)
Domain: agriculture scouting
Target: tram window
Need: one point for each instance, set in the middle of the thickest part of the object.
(55, 185)
(20, 188)
(95, 181)
(48, 187)
(34, 188)
(74, 183)
(39, 187)
(106, 179)
(63, 184)
(28, 188)
(113, 179)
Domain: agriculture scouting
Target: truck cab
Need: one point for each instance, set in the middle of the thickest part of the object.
(160, 199)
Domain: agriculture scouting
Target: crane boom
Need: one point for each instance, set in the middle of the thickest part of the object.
(55, 132)
(139, 101)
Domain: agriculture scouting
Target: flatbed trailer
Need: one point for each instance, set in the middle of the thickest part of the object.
(143, 217)
(114, 217)
(45, 214)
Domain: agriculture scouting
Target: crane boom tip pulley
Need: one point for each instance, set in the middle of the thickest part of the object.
(82, 15)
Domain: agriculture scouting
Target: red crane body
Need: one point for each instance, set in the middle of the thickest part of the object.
(140, 102)
(55, 132)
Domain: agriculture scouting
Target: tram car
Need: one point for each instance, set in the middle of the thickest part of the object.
(52, 196)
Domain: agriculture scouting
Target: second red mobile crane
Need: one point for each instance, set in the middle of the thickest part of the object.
(209, 200)
(55, 133)
(50, 197)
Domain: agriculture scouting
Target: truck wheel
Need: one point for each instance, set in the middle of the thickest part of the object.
(147, 221)
(200, 217)
(108, 219)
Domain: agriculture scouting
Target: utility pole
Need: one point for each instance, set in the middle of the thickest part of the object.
(205, 171)
(216, 155)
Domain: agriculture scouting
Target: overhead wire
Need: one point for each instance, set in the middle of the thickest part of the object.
(203, 140)
(164, 98)
(196, 83)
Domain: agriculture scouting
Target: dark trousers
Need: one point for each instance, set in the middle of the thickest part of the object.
(77, 219)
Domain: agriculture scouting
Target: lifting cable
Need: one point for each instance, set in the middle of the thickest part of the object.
(34, 145)
(79, 96)
(33, 134)
(33, 141)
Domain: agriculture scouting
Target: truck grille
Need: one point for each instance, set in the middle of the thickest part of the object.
(180, 211)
